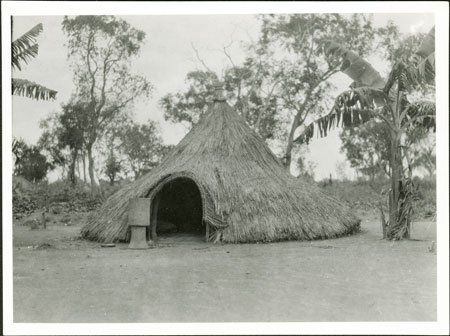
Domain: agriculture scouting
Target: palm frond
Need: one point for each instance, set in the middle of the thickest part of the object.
(428, 61)
(426, 66)
(405, 209)
(354, 66)
(427, 45)
(404, 74)
(425, 61)
(410, 73)
(26, 88)
(25, 47)
(25, 56)
(351, 108)
(421, 113)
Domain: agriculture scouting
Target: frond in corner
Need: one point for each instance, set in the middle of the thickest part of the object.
(26, 88)
(25, 48)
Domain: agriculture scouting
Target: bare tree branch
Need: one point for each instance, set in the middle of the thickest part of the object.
(228, 55)
(199, 58)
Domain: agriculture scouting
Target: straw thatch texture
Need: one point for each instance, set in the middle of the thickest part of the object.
(247, 195)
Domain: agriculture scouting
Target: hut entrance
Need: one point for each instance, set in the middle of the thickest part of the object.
(177, 208)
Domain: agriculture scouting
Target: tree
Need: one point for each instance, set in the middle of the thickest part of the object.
(372, 97)
(341, 170)
(142, 146)
(306, 168)
(29, 162)
(282, 80)
(50, 145)
(243, 90)
(186, 107)
(63, 137)
(19, 148)
(73, 123)
(422, 151)
(130, 147)
(304, 87)
(426, 159)
(251, 87)
(101, 49)
(24, 49)
(367, 148)
(112, 167)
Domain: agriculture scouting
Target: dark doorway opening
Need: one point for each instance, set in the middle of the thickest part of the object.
(177, 208)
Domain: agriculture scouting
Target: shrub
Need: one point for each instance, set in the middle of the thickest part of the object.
(60, 194)
(23, 203)
(367, 195)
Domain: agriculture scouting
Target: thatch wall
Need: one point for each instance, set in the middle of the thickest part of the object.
(246, 192)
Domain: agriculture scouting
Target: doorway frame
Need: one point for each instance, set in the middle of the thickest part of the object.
(155, 198)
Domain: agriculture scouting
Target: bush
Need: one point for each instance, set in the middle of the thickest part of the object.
(425, 205)
(58, 196)
(23, 203)
(357, 194)
(76, 197)
(367, 195)
(22, 200)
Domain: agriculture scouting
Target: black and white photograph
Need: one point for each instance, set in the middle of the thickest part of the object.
(225, 168)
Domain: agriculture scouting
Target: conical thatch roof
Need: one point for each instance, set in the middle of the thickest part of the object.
(247, 194)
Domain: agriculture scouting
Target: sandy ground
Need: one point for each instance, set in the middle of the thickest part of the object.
(357, 278)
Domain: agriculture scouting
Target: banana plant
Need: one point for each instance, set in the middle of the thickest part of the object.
(371, 96)
(23, 50)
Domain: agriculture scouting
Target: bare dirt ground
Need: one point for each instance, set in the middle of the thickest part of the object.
(59, 278)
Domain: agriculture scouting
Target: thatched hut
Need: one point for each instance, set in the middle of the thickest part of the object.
(224, 181)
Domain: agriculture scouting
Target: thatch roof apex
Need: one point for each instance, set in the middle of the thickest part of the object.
(218, 92)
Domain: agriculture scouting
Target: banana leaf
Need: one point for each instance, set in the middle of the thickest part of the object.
(354, 66)
(25, 48)
(26, 88)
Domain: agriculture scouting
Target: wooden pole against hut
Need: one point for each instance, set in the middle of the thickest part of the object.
(154, 215)
(207, 231)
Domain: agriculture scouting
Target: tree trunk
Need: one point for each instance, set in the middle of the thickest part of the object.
(71, 176)
(399, 214)
(63, 172)
(393, 200)
(397, 200)
(290, 144)
(91, 168)
(84, 166)
(78, 167)
(44, 219)
(372, 169)
(295, 124)
(383, 221)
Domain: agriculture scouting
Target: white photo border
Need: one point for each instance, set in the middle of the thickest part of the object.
(440, 10)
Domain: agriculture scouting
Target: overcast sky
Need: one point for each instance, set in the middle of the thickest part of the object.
(165, 59)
